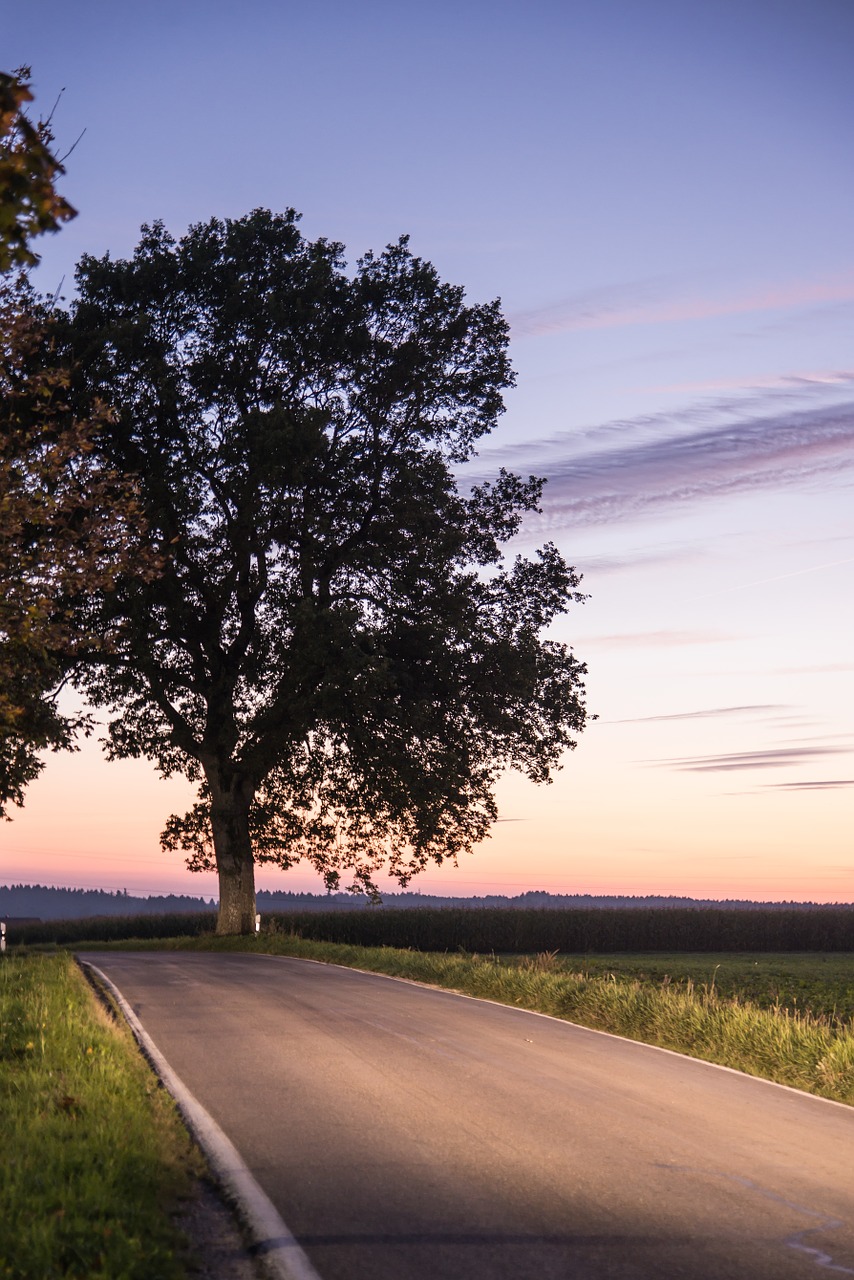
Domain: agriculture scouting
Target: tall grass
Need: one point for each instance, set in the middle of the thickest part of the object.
(803, 982)
(93, 1156)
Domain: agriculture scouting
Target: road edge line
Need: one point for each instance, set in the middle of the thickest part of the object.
(272, 1244)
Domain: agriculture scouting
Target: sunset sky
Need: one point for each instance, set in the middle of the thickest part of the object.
(662, 194)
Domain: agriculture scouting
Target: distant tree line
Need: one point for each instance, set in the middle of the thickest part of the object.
(47, 903)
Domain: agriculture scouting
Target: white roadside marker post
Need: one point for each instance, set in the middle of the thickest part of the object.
(257, 924)
(2, 936)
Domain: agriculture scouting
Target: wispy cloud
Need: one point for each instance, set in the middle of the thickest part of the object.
(796, 382)
(824, 737)
(708, 713)
(822, 784)
(630, 468)
(656, 639)
(757, 454)
(644, 559)
(645, 303)
(771, 758)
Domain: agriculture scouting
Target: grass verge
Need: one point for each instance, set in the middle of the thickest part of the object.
(807, 1050)
(94, 1155)
(817, 984)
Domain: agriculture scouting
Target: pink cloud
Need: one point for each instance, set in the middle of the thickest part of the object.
(793, 381)
(656, 639)
(601, 309)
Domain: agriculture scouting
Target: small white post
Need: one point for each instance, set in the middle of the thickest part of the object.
(2, 935)
(257, 924)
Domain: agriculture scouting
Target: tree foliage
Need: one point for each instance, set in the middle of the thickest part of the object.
(335, 649)
(29, 169)
(66, 523)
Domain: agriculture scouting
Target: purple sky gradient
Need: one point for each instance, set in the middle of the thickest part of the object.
(662, 195)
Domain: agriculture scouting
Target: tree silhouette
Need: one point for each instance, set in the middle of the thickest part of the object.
(29, 168)
(335, 649)
(67, 524)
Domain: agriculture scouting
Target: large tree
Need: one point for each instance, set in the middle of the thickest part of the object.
(335, 649)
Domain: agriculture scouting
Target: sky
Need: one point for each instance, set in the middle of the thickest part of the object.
(662, 195)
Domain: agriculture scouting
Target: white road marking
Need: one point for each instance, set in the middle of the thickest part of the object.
(272, 1243)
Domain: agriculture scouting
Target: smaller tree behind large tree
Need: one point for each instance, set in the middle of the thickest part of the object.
(67, 524)
(29, 168)
(335, 649)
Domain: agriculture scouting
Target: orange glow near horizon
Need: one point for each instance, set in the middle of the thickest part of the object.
(90, 824)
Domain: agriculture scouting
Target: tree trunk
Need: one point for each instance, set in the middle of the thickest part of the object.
(235, 863)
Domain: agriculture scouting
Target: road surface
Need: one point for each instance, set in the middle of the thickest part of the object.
(405, 1133)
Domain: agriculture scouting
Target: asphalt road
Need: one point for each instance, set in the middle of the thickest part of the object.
(411, 1134)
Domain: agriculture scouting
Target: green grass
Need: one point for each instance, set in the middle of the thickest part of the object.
(821, 985)
(722, 1008)
(94, 1158)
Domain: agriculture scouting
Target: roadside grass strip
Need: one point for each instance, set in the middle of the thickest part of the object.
(819, 984)
(94, 1157)
(813, 1052)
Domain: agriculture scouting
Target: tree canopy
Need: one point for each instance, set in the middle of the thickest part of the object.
(29, 169)
(66, 523)
(334, 648)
